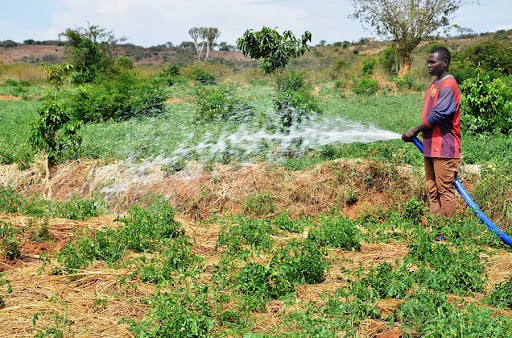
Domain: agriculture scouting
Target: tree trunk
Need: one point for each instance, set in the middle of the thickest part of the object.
(405, 67)
(47, 175)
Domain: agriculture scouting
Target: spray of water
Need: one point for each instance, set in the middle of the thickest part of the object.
(247, 143)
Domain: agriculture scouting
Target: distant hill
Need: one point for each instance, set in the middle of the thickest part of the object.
(36, 54)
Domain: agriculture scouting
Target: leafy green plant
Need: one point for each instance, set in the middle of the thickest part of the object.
(149, 225)
(336, 232)
(456, 271)
(284, 222)
(177, 313)
(61, 325)
(383, 282)
(88, 247)
(175, 258)
(9, 242)
(4, 281)
(301, 262)
(486, 106)
(42, 232)
(502, 294)
(366, 86)
(246, 233)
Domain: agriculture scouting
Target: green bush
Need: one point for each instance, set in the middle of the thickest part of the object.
(404, 82)
(366, 86)
(118, 98)
(486, 105)
(368, 65)
(491, 54)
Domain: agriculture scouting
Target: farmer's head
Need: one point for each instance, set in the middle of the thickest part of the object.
(438, 60)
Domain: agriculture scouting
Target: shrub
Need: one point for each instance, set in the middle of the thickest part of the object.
(366, 86)
(215, 103)
(368, 65)
(118, 98)
(489, 55)
(486, 106)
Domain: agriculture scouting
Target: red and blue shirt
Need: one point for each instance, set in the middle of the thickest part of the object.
(441, 113)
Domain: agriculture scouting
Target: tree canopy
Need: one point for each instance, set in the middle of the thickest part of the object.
(274, 49)
(406, 22)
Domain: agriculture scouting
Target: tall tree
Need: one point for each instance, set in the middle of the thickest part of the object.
(88, 50)
(406, 22)
(210, 34)
(275, 50)
(197, 35)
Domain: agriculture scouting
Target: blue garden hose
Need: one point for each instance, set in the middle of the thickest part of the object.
(469, 201)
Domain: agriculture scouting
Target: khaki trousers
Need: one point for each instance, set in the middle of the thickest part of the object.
(440, 174)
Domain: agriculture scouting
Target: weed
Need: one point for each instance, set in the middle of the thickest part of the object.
(259, 204)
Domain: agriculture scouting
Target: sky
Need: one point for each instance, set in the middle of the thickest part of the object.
(155, 22)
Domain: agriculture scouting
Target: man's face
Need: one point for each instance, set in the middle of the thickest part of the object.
(436, 64)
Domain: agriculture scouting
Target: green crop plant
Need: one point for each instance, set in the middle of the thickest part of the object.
(502, 294)
(177, 313)
(102, 246)
(175, 259)
(245, 235)
(456, 270)
(383, 282)
(4, 281)
(284, 222)
(148, 226)
(336, 232)
(9, 242)
(301, 262)
(429, 314)
(40, 232)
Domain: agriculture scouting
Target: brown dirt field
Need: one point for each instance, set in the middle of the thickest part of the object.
(94, 302)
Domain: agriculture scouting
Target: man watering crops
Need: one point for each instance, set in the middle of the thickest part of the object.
(440, 127)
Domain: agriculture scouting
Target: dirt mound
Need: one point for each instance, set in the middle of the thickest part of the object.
(350, 186)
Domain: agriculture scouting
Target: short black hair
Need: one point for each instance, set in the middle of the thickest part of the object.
(443, 52)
